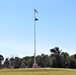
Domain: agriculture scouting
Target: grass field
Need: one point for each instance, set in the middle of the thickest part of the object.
(40, 71)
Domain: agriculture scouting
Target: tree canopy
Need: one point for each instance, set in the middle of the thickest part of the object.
(56, 59)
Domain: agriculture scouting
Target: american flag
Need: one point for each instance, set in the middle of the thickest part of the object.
(36, 11)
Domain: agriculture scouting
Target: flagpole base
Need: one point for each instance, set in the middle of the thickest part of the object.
(35, 65)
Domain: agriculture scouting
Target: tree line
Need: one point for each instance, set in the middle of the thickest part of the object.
(56, 59)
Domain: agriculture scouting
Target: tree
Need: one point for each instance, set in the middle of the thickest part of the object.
(11, 60)
(6, 63)
(1, 59)
(55, 50)
(64, 58)
(75, 56)
(27, 61)
(72, 62)
(23, 64)
(56, 58)
(43, 60)
(17, 62)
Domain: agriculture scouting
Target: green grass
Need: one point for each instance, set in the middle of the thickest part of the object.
(40, 71)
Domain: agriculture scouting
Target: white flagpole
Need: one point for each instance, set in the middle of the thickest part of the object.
(34, 39)
(35, 65)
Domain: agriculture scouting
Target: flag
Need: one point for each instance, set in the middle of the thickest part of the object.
(35, 11)
(36, 19)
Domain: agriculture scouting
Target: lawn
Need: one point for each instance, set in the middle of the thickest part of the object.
(40, 71)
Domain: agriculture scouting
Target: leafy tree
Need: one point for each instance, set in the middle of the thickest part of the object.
(11, 60)
(23, 64)
(43, 60)
(75, 56)
(56, 58)
(17, 62)
(64, 59)
(55, 50)
(1, 59)
(72, 62)
(27, 61)
(6, 63)
(39, 60)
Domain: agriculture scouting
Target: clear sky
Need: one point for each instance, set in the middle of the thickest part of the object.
(56, 26)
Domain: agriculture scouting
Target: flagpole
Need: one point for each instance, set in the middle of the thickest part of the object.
(35, 65)
(34, 38)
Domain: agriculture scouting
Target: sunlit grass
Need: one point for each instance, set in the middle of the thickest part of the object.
(38, 71)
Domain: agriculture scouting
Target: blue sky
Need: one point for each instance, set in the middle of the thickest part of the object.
(56, 26)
